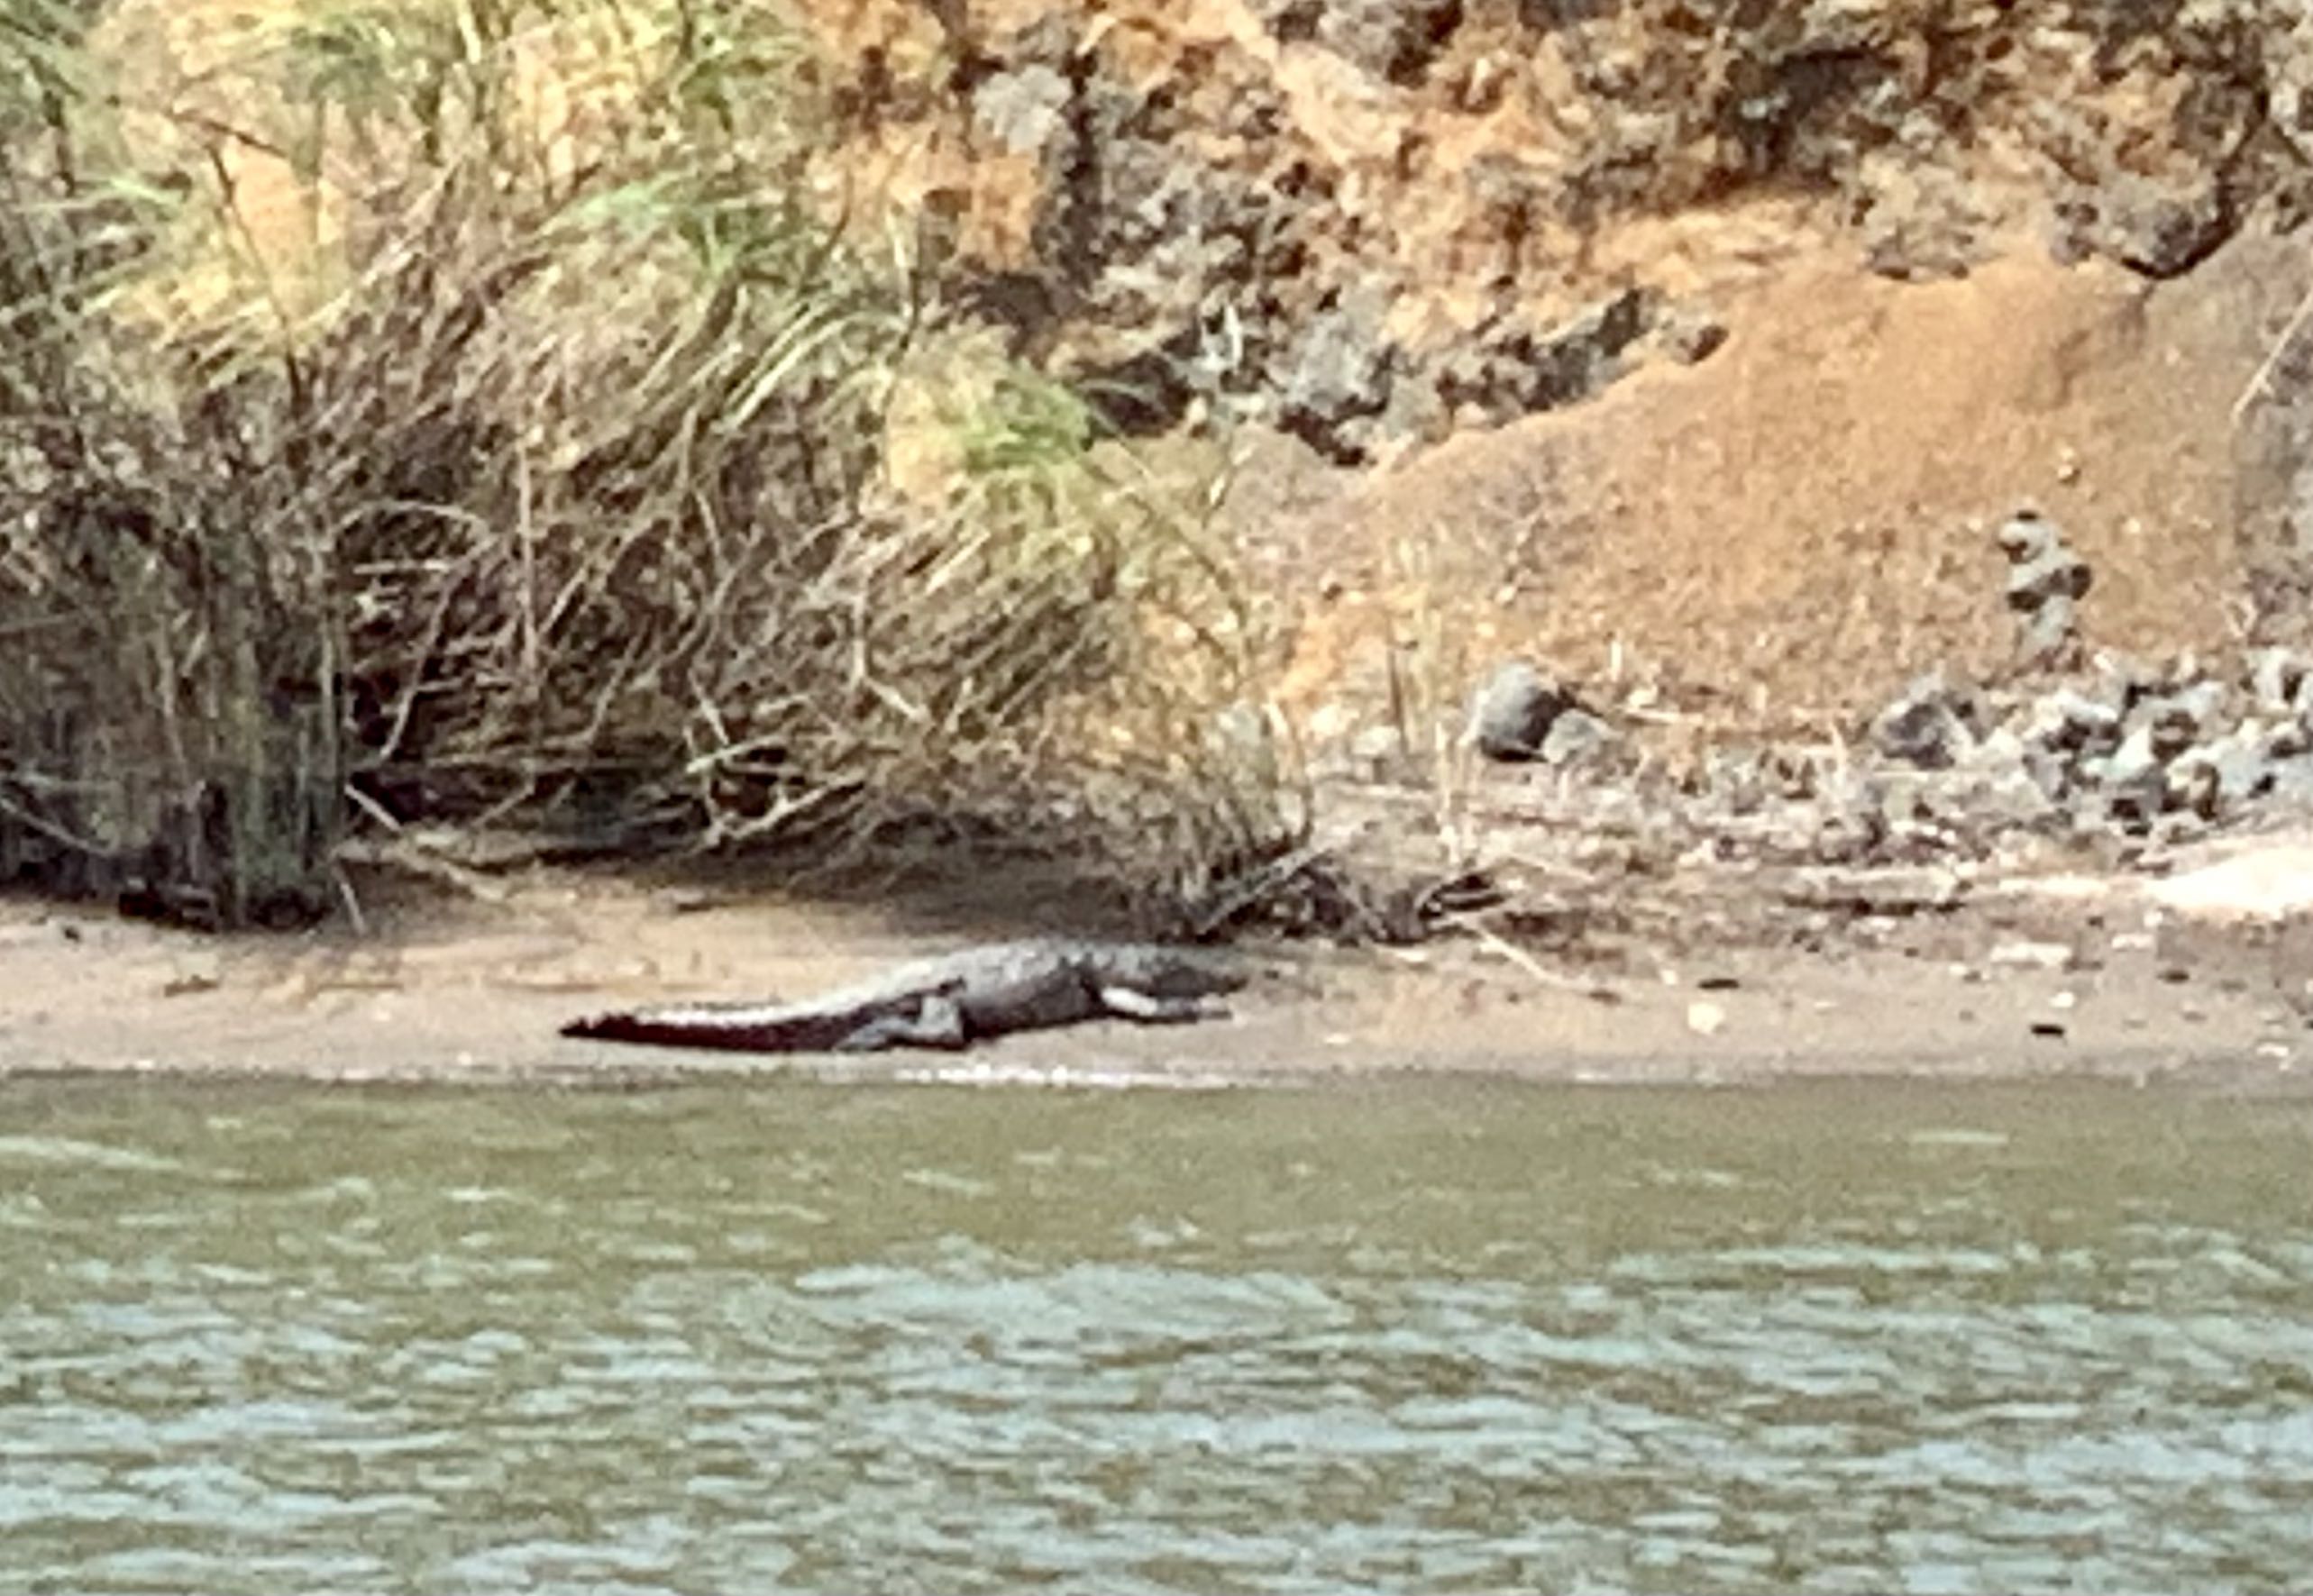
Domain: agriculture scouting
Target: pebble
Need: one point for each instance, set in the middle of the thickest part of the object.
(2031, 955)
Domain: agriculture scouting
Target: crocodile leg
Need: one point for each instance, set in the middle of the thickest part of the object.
(937, 1022)
(1160, 1011)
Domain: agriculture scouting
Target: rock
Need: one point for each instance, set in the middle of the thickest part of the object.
(2050, 635)
(2234, 770)
(2134, 779)
(2045, 581)
(1930, 725)
(1378, 752)
(1512, 369)
(2289, 783)
(1340, 373)
(1022, 110)
(2031, 955)
(1393, 38)
(2161, 230)
(2173, 721)
(2040, 567)
(2068, 721)
(1691, 336)
(1923, 222)
(1574, 736)
(2278, 677)
(1512, 713)
(2286, 740)
(2007, 780)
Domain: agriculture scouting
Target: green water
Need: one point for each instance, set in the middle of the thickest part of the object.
(1428, 1337)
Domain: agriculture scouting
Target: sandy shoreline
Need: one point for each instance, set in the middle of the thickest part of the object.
(2199, 978)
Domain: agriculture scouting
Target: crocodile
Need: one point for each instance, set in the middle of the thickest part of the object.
(950, 1001)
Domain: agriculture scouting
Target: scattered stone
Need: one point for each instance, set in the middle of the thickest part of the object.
(1512, 713)
(2069, 721)
(1377, 752)
(1575, 736)
(2031, 955)
(2046, 583)
(1692, 337)
(1391, 39)
(1513, 368)
(1340, 374)
(1929, 726)
(2289, 783)
(2277, 677)
(1894, 892)
(192, 975)
(1022, 110)
(2048, 1029)
(1705, 1019)
(2135, 782)
(2161, 230)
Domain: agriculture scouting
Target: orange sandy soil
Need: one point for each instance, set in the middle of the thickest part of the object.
(474, 991)
(1777, 538)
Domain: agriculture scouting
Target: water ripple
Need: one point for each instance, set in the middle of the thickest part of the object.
(816, 1341)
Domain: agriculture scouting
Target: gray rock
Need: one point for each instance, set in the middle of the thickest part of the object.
(2046, 577)
(1576, 736)
(1512, 712)
(1393, 38)
(2277, 677)
(1692, 336)
(2285, 740)
(1340, 371)
(2026, 536)
(2161, 230)
(2121, 680)
(1023, 109)
(1930, 725)
(2045, 581)
(2134, 781)
(2221, 777)
(2070, 721)
(2006, 781)
(2290, 782)
(2050, 637)
(1512, 368)
(2174, 720)
(2135, 756)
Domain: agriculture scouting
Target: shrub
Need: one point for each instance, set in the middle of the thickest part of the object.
(544, 472)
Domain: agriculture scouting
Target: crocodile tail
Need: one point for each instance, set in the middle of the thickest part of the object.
(685, 1030)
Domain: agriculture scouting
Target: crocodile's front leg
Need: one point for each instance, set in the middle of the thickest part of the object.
(1133, 1005)
(937, 1022)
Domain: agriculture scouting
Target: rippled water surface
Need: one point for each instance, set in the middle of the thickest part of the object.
(1426, 1338)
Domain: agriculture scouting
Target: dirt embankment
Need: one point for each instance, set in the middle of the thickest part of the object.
(1853, 282)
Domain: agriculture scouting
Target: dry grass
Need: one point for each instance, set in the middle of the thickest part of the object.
(550, 481)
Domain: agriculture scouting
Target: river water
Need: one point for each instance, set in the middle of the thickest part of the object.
(1427, 1336)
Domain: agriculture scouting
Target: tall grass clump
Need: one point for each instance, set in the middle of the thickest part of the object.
(463, 410)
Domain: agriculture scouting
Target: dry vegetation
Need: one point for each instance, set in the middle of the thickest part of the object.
(550, 481)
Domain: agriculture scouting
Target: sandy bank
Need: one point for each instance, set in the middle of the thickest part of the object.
(2199, 976)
